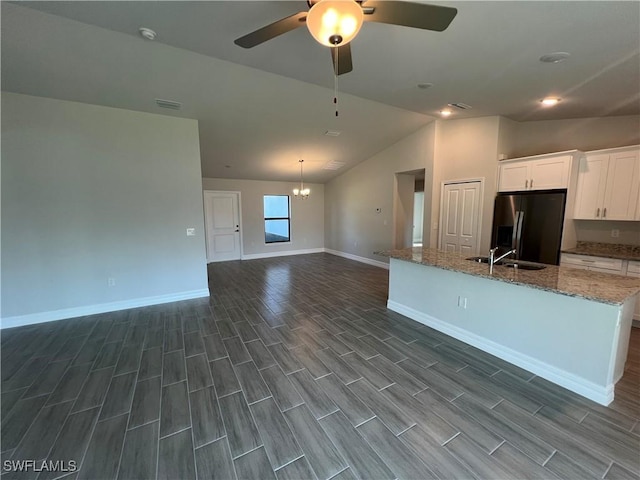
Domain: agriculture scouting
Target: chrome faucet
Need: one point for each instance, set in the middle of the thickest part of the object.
(493, 260)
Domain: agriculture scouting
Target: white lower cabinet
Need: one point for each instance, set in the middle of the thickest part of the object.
(630, 268)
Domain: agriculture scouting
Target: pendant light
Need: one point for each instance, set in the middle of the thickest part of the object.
(301, 192)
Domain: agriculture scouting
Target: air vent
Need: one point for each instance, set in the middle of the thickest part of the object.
(461, 106)
(334, 165)
(332, 133)
(170, 104)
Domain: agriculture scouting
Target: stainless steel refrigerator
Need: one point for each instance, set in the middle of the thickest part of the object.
(530, 222)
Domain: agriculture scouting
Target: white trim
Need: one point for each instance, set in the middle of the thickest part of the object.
(286, 253)
(41, 317)
(357, 258)
(597, 393)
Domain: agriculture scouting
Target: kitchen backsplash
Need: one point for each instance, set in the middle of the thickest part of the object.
(600, 231)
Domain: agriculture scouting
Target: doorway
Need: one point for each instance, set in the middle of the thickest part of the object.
(222, 223)
(460, 216)
(408, 208)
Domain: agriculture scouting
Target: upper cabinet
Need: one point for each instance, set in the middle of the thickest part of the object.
(542, 172)
(609, 185)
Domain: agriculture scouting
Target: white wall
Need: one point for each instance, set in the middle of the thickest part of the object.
(90, 193)
(467, 149)
(600, 231)
(307, 216)
(352, 224)
(533, 138)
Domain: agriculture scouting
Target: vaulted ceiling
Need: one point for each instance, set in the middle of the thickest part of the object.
(262, 109)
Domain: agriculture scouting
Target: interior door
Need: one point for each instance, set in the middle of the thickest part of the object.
(460, 217)
(222, 221)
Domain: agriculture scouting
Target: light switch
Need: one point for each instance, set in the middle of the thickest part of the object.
(191, 232)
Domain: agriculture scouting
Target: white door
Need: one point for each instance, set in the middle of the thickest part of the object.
(222, 221)
(459, 215)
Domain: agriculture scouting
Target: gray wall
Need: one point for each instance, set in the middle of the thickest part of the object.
(307, 216)
(533, 138)
(467, 149)
(352, 224)
(89, 193)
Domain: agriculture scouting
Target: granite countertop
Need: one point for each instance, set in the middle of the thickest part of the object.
(606, 250)
(600, 287)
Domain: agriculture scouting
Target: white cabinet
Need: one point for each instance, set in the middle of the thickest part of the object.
(588, 262)
(630, 268)
(544, 172)
(608, 185)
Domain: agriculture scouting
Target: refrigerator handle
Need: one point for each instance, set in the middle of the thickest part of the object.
(515, 237)
(518, 246)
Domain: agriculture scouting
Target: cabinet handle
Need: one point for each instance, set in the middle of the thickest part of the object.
(597, 212)
(531, 184)
(526, 184)
(604, 212)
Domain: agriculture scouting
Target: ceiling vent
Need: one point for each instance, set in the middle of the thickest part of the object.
(460, 105)
(334, 165)
(171, 105)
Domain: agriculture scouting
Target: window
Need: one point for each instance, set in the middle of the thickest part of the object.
(276, 219)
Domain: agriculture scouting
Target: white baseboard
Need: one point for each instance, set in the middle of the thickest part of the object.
(41, 317)
(597, 393)
(357, 258)
(255, 256)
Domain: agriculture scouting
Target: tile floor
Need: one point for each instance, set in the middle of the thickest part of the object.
(294, 369)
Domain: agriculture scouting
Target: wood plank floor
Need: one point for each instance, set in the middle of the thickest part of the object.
(294, 369)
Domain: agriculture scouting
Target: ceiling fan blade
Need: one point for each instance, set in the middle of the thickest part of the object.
(271, 31)
(344, 64)
(409, 14)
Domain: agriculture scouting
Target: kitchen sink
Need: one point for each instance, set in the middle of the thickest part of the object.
(524, 266)
(481, 259)
(511, 264)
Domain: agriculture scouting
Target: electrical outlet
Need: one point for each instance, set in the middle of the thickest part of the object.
(111, 282)
(462, 302)
(615, 233)
(191, 232)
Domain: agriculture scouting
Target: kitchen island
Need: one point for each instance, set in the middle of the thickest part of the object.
(567, 325)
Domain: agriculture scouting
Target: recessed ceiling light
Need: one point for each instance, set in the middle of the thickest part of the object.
(445, 112)
(549, 101)
(424, 86)
(332, 133)
(147, 33)
(555, 57)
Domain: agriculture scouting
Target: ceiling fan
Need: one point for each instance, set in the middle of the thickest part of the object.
(334, 23)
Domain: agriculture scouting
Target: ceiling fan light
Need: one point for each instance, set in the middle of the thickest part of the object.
(334, 22)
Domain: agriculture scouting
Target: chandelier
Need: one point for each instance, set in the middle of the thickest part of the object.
(301, 192)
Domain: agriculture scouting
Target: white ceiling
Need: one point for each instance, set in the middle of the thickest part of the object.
(262, 109)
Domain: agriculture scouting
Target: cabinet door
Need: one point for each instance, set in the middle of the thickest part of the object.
(623, 181)
(514, 176)
(592, 180)
(550, 173)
